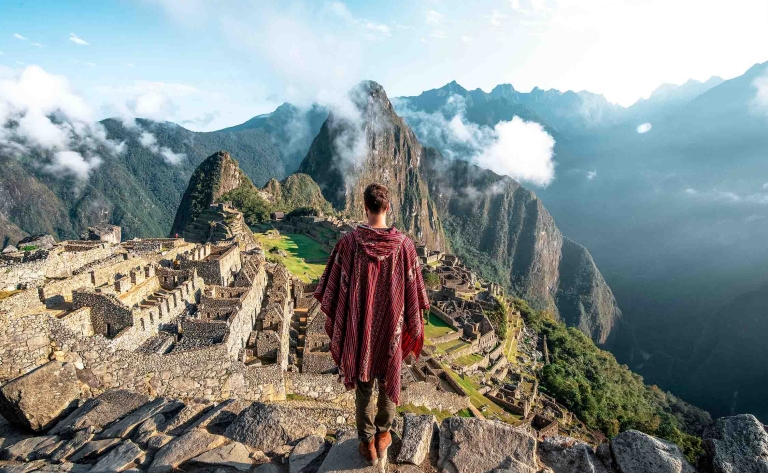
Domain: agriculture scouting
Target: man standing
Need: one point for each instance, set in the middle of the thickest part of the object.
(373, 294)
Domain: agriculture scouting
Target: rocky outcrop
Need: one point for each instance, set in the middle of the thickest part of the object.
(373, 144)
(469, 445)
(37, 399)
(291, 437)
(737, 444)
(502, 230)
(636, 452)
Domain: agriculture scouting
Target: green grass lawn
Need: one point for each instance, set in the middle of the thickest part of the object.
(435, 327)
(452, 346)
(468, 359)
(299, 248)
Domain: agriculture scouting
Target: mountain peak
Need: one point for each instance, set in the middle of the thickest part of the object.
(503, 90)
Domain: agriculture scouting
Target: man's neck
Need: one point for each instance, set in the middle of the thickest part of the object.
(377, 220)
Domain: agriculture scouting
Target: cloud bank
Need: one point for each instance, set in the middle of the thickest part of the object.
(41, 117)
(520, 149)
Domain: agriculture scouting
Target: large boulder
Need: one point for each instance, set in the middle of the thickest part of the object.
(37, 399)
(636, 452)
(737, 444)
(471, 445)
(568, 455)
(268, 426)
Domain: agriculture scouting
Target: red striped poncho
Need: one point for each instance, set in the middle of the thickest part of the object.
(373, 294)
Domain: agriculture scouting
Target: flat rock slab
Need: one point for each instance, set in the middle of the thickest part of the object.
(417, 436)
(128, 424)
(101, 411)
(185, 417)
(737, 444)
(37, 399)
(42, 466)
(156, 442)
(344, 457)
(269, 426)
(120, 458)
(568, 455)
(24, 449)
(94, 449)
(71, 446)
(46, 449)
(470, 445)
(305, 453)
(636, 452)
(218, 418)
(235, 455)
(183, 448)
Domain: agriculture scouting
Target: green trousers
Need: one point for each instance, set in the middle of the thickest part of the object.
(372, 417)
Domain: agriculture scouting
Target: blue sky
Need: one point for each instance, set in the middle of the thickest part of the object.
(209, 65)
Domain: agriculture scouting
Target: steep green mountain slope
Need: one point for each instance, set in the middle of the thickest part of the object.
(503, 230)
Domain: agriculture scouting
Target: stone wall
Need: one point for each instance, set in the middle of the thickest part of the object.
(323, 387)
(30, 341)
(422, 393)
(79, 321)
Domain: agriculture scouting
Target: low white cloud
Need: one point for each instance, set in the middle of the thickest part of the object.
(18, 36)
(520, 149)
(130, 64)
(41, 117)
(77, 40)
(759, 103)
(591, 175)
(37, 45)
(497, 17)
(149, 141)
(72, 162)
(466, 39)
(434, 17)
(765, 186)
(438, 34)
(729, 197)
(644, 128)
(375, 30)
